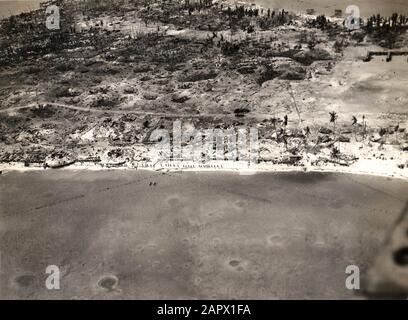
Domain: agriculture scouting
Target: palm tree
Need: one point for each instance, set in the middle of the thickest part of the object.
(283, 135)
(365, 127)
(273, 120)
(354, 122)
(306, 135)
(285, 120)
(335, 153)
(383, 133)
(396, 129)
(333, 119)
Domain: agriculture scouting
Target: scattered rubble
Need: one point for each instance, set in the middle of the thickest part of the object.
(95, 86)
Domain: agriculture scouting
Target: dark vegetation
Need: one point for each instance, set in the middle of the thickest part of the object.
(167, 63)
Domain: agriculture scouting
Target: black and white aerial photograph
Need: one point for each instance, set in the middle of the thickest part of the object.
(210, 150)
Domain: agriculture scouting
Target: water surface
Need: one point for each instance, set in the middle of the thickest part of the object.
(192, 235)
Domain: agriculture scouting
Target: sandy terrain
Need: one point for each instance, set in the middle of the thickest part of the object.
(367, 7)
(120, 76)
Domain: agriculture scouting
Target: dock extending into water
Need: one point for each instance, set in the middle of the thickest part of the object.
(388, 54)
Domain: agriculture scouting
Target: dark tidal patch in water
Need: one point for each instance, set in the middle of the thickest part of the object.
(337, 204)
(108, 283)
(401, 257)
(306, 177)
(234, 263)
(173, 201)
(25, 280)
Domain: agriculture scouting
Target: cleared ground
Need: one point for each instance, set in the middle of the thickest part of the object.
(367, 7)
(190, 235)
(99, 89)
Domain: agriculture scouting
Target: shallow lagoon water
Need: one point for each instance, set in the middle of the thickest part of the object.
(367, 7)
(193, 235)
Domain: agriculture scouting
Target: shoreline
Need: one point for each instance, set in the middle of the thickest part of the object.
(217, 167)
